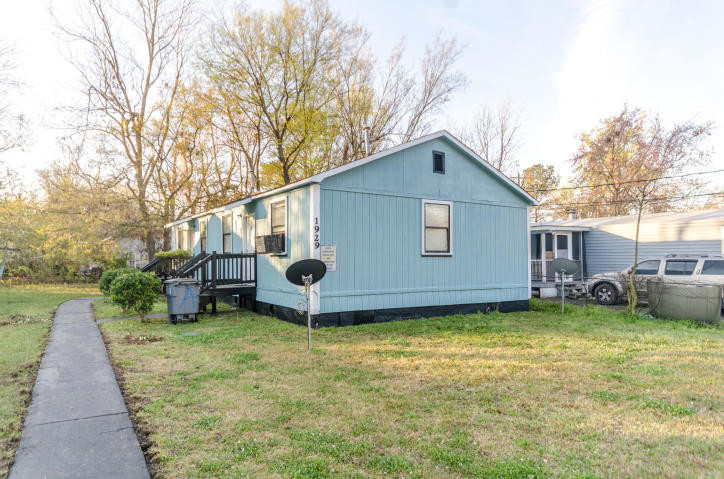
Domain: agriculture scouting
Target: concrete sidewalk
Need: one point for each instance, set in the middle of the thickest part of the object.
(77, 424)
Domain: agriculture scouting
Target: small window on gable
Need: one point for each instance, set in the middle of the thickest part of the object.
(438, 162)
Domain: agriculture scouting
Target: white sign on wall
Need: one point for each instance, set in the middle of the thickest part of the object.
(329, 257)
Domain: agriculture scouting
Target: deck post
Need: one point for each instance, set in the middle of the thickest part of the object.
(542, 240)
(213, 272)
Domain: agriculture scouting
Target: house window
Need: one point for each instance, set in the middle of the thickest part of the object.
(436, 221)
(278, 220)
(576, 245)
(226, 233)
(438, 162)
(562, 242)
(183, 237)
(202, 235)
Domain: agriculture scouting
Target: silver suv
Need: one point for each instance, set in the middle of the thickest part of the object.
(608, 288)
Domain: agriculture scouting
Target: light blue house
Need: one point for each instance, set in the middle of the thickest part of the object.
(425, 228)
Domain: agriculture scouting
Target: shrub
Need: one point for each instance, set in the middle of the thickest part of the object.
(135, 291)
(176, 254)
(107, 278)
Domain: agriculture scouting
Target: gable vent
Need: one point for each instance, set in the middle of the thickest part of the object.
(438, 162)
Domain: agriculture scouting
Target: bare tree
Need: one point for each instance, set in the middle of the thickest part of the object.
(392, 102)
(131, 58)
(437, 86)
(494, 135)
(12, 127)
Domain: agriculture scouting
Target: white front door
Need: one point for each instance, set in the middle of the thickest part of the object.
(563, 249)
(248, 232)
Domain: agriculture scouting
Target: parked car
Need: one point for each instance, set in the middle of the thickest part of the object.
(608, 288)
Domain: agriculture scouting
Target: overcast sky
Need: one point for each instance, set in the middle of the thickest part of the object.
(563, 64)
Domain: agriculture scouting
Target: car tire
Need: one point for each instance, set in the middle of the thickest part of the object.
(605, 294)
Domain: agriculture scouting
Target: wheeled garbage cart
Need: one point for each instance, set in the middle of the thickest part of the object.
(182, 296)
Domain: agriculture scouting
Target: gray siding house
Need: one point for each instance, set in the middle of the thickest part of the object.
(607, 244)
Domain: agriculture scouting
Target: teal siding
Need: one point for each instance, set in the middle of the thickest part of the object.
(409, 172)
(272, 286)
(373, 215)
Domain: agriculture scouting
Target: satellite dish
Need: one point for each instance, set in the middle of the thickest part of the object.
(305, 273)
(564, 266)
(305, 268)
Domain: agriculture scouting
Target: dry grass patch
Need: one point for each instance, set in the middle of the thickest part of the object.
(588, 394)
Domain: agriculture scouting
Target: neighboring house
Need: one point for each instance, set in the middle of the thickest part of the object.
(133, 248)
(607, 244)
(421, 229)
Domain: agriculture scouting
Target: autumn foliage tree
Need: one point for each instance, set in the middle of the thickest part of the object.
(542, 182)
(302, 84)
(633, 164)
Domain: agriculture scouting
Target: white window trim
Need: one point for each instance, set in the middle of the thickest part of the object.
(422, 231)
(205, 232)
(231, 232)
(286, 221)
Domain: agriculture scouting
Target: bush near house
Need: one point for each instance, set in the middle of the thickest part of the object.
(135, 291)
(104, 284)
(175, 254)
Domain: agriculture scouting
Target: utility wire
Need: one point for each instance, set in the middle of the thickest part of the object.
(651, 200)
(628, 181)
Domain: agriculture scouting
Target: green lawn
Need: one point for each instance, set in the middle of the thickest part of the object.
(536, 394)
(103, 308)
(25, 318)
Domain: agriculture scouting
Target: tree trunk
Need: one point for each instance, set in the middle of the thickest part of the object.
(633, 296)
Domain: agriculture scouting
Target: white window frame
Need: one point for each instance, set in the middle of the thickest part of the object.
(286, 221)
(248, 233)
(186, 237)
(231, 233)
(422, 230)
(203, 235)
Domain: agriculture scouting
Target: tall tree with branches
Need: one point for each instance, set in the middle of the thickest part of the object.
(303, 85)
(12, 127)
(494, 134)
(131, 58)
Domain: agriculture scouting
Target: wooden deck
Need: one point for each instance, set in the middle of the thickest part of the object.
(220, 274)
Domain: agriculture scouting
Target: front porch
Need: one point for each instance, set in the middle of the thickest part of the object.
(548, 243)
(222, 275)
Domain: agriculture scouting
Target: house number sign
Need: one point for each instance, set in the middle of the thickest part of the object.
(316, 232)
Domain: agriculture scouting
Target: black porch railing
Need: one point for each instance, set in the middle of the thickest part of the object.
(220, 269)
(165, 267)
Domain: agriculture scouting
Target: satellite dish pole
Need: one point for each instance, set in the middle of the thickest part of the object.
(305, 273)
(307, 286)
